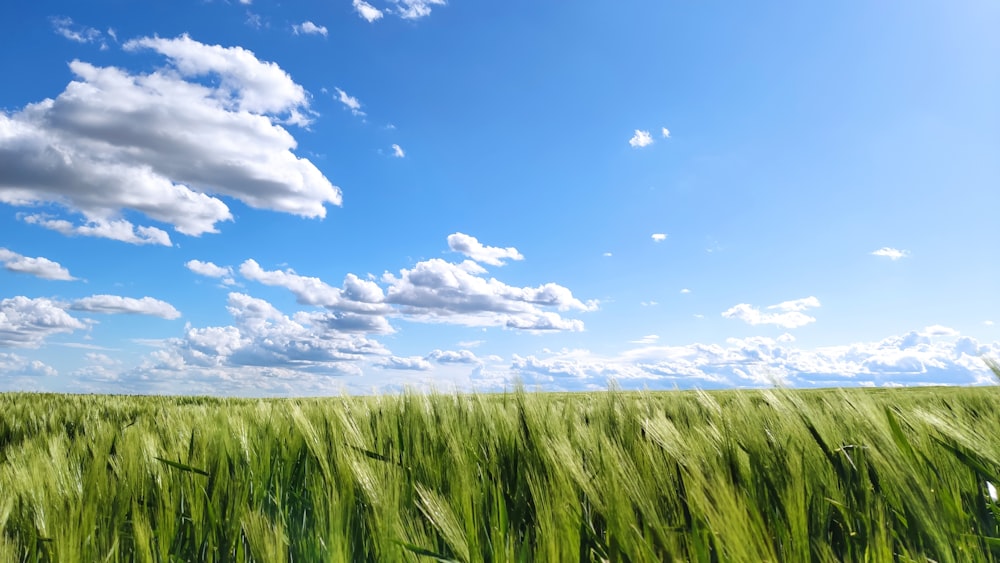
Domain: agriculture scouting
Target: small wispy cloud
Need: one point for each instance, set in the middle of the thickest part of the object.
(397, 151)
(81, 34)
(648, 339)
(309, 28)
(350, 102)
(685, 290)
(665, 132)
(659, 237)
(988, 323)
(640, 139)
(891, 253)
(367, 12)
(607, 255)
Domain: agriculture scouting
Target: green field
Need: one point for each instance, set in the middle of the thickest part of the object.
(772, 475)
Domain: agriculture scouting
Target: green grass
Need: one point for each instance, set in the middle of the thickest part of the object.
(774, 475)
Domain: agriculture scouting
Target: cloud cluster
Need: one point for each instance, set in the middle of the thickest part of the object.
(26, 322)
(309, 28)
(39, 267)
(928, 356)
(164, 144)
(789, 313)
(12, 365)
(406, 9)
(472, 248)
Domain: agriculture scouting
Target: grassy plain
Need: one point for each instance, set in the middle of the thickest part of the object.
(771, 475)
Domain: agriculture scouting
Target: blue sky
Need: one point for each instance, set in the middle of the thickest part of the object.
(256, 198)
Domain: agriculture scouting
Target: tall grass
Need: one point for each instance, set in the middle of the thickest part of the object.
(774, 475)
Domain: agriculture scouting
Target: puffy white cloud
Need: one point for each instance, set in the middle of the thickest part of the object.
(12, 365)
(471, 247)
(397, 151)
(413, 363)
(658, 237)
(26, 322)
(114, 229)
(368, 12)
(263, 336)
(356, 295)
(116, 304)
(40, 267)
(891, 253)
(163, 144)
(211, 270)
(640, 139)
(415, 9)
(438, 291)
(791, 315)
(309, 28)
(453, 357)
(350, 102)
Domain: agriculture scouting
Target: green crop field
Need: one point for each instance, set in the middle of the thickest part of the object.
(769, 475)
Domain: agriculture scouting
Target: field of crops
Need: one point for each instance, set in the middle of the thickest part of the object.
(775, 475)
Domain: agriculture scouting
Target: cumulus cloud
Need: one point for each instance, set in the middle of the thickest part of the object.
(116, 304)
(640, 139)
(26, 322)
(356, 295)
(350, 102)
(453, 357)
(658, 237)
(309, 28)
(397, 151)
(367, 12)
(413, 363)
(472, 248)
(790, 315)
(211, 270)
(163, 144)
(439, 291)
(263, 336)
(917, 357)
(891, 253)
(39, 267)
(14, 365)
(416, 9)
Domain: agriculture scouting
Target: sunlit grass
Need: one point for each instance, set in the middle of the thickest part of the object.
(771, 475)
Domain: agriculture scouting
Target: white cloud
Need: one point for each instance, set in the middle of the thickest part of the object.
(350, 102)
(39, 267)
(163, 144)
(438, 291)
(26, 322)
(412, 363)
(640, 139)
(786, 337)
(114, 229)
(988, 323)
(368, 12)
(649, 303)
(453, 357)
(263, 336)
(12, 365)
(791, 315)
(685, 290)
(116, 304)
(309, 28)
(607, 255)
(211, 270)
(356, 295)
(81, 34)
(658, 237)
(471, 247)
(397, 151)
(415, 9)
(891, 253)
(665, 132)
(648, 339)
